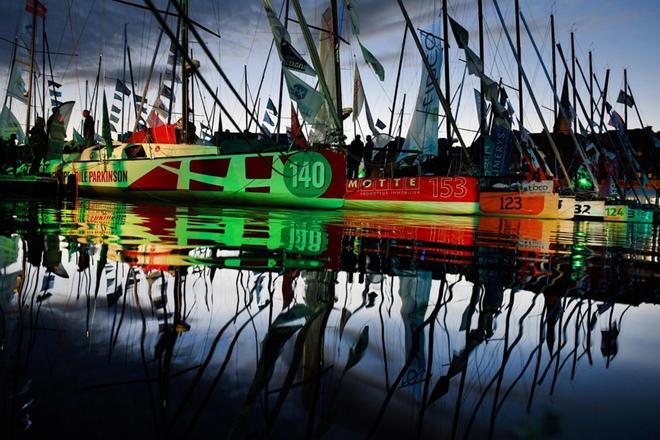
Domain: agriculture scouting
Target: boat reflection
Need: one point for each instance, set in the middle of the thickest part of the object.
(240, 323)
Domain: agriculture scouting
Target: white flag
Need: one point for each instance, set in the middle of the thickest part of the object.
(358, 94)
(309, 100)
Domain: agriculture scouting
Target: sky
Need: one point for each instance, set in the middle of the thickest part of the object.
(620, 35)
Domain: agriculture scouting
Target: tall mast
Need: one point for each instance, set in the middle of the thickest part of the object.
(130, 72)
(172, 82)
(482, 104)
(123, 78)
(279, 99)
(11, 70)
(575, 119)
(520, 81)
(625, 104)
(184, 75)
(554, 62)
(246, 96)
(398, 77)
(445, 33)
(591, 89)
(605, 87)
(43, 64)
(29, 91)
(335, 43)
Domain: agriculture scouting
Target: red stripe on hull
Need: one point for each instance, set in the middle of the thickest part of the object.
(201, 186)
(157, 179)
(210, 167)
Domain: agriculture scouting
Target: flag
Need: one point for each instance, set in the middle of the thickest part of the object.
(351, 7)
(105, 128)
(380, 124)
(115, 109)
(52, 83)
(55, 103)
(17, 86)
(55, 93)
(625, 98)
(166, 92)
(114, 118)
(422, 134)
(270, 106)
(289, 56)
(77, 138)
(35, 7)
(138, 99)
(373, 62)
(460, 34)
(565, 117)
(167, 76)
(153, 120)
(57, 129)
(121, 88)
(358, 94)
(267, 119)
(296, 130)
(616, 121)
(309, 100)
(474, 64)
(9, 125)
(160, 108)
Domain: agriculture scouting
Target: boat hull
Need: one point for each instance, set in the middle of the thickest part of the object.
(423, 194)
(590, 209)
(304, 179)
(519, 204)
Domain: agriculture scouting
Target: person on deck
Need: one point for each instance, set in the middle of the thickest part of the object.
(368, 153)
(88, 129)
(355, 155)
(39, 144)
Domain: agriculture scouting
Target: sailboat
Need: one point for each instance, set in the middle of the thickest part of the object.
(175, 170)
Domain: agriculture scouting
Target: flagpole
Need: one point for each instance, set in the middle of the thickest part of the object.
(11, 71)
(184, 78)
(246, 95)
(606, 86)
(29, 91)
(591, 89)
(130, 72)
(445, 34)
(398, 77)
(625, 104)
(482, 104)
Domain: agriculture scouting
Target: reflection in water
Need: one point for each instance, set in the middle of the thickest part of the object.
(188, 321)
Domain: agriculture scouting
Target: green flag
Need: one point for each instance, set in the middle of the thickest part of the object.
(77, 138)
(375, 64)
(105, 128)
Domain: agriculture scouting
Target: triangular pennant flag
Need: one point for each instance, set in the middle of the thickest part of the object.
(460, 33)
(358, 94)
(267, 119)
(373, 62)
(115, 109)
(77, 138)
(55, 93)
(55, 103)
(52, 83)
(114, 118)
(380, 124)
(625, 98)
(166, 92)
(153, 120)
(296, 130)
(116, 97)
(309, 100)
(271, 106)
(121, 88)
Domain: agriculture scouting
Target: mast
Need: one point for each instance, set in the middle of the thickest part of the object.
(482, 104)
(629, 92)
(130, 71)
(174, 62)
(625, 104)
(246, 95)
(398, 77)
(279, 99)
(605, 87)
(11, 70)
(335, 44)
(43, 64)
(591, 90)
(29, 91)
(184, 76)
(575, 119)
(123, 78)
(554, 61)
(520, 81)
(532, 96)
(445, 35)
(443, 101)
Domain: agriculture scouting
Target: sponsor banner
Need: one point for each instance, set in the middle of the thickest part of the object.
(101, 176)
(422, 188)
(543, 186)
